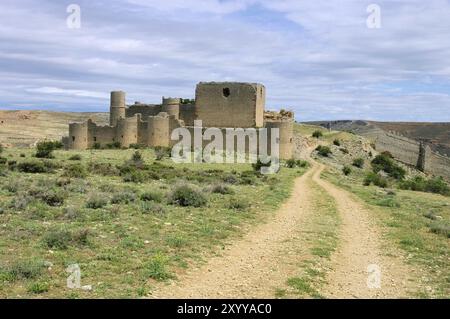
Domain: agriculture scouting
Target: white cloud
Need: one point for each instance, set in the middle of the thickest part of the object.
(318, 58)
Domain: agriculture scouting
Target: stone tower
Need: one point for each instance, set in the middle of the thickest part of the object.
(117, 108)
(171, 106)
(424, 155)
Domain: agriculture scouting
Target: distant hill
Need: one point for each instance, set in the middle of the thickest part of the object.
(436, 134)
(24, 128)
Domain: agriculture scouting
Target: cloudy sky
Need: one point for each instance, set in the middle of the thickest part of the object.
(318, 58)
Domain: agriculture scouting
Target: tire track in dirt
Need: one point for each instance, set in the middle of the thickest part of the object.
(257, 264)
(359, 247)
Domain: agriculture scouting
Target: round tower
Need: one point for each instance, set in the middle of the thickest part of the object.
(286, 131)
(171, 106)
(117, 109)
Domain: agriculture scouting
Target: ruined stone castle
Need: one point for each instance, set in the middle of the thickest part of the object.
(221, 105)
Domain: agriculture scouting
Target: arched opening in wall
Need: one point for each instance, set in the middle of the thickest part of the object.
(226, 92)
(95, 138)
(73, 138)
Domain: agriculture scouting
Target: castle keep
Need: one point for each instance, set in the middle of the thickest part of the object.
(217, 104)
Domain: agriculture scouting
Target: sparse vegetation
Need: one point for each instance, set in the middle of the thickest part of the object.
(187, 195)
(336, 142)
(75, 171)
(96, 201)
(317, 134)
(384, 162)
(433, 185)
(75, 157)
(98, 219)
(45, 149)
(292, 163)
(324, 151)
(346, 170)
(375, 179)
(238, 204)
(32, 166)
(358, 162)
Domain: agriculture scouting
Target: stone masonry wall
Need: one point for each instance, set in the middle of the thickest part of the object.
(230, 104)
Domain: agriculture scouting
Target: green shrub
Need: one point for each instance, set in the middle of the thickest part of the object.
(3, 160)
(80, 237)
(337, 142)
(32, 166)
(114, 145)
(61, 238)
(346, 170)
(376, 179)
(291, 163)
(302, 163)
(384, 162)
(317, 134)
(153, 208)
(435, 185)
(38, 287)
(20, 202)
(45, 149)
(96, 201)
(344, 150)
(123, 198)
(324, 151)
(154, 196)
(137, 158)
(388, 202)
(24, 269)
(52, 197)
(221, 189)
(57, 239)
(134, 176)
(238, 204)
(97, 146)
(358, 162)
(75, 157)
(259, 164)
(137, 146)
(105, 169)
(162, 152)
(156, 268)
(1, 148)
(231, 179)
(187, 195)
(441, 228)
(75, 171)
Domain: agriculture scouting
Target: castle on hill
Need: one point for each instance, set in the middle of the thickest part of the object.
(222, 105)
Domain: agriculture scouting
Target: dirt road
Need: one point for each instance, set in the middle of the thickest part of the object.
(254, 266)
